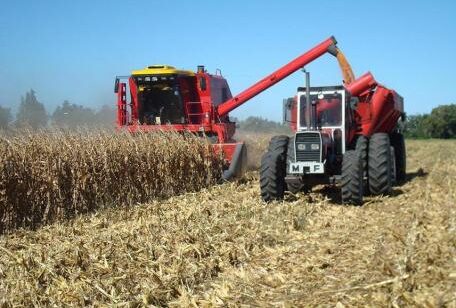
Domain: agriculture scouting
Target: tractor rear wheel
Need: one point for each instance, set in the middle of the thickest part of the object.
(361, 147)
(393, 167)
(273, 169)
(352, 178)
(379, 164)
(397, 141)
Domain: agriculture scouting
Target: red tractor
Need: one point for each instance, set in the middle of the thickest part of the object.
(343, 134)
(347, 134)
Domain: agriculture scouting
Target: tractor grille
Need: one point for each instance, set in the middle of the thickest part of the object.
(308, 147)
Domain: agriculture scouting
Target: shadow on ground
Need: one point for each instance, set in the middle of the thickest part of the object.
(332, 192)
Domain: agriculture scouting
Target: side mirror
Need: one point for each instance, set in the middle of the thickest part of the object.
(116, 85)
(403, 117)
(287, 104)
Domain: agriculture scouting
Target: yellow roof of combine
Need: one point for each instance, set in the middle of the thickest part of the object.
(162, 70)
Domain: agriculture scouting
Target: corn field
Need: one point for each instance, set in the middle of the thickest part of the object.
(223, 246)
(48, 176)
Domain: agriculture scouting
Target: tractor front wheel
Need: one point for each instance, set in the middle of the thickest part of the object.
(273, 169)
(352, 178)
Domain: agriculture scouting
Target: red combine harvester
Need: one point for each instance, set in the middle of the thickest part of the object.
(343, 133)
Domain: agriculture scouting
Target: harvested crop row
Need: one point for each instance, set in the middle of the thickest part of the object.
(49, 176)
(224, 247)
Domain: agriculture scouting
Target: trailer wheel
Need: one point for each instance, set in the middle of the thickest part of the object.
(273, 169)
(352, 178)
(294, 187)
(397, 141)
(379, 164)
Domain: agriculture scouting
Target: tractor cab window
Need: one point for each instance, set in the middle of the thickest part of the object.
(159, 99)
(328, 108)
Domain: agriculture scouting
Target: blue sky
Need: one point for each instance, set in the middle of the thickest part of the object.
(73, 49)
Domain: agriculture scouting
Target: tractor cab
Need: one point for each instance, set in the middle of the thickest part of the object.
(319, 116)
(328, 104)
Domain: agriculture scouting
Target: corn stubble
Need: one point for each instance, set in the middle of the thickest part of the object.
(53, 175)
(222, 246)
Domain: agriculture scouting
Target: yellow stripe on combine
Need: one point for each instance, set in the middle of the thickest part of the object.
(162, 70)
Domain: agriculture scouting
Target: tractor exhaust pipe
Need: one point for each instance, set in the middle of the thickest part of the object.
(308, 106)
(314, 115)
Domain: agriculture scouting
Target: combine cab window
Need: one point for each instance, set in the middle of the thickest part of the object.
(329, 109)
(159, 100)
(220, 92)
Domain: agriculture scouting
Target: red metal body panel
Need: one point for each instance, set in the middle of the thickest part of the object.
(361, 85)
(226, 148)
(379, 108)
(223, 131)
(134, 101)
(122, 104)
(384, 111)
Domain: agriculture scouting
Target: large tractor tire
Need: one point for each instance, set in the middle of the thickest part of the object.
(352, 178)
(273, 169)
(362, 144)
(397, 141)
(379, 164)
(393, 167)
(293, 187)
(278, 144)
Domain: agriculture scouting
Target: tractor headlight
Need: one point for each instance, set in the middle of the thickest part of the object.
(315, 146)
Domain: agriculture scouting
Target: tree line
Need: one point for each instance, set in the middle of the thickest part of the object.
(32, 114)
(440, 123)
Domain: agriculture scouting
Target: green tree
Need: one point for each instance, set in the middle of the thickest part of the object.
(414, 126)
(261, 125)
(31, 112)
(5, 117)
(72, 116)
(441, 123)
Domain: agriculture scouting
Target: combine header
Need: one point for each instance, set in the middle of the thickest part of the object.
(333, 125)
